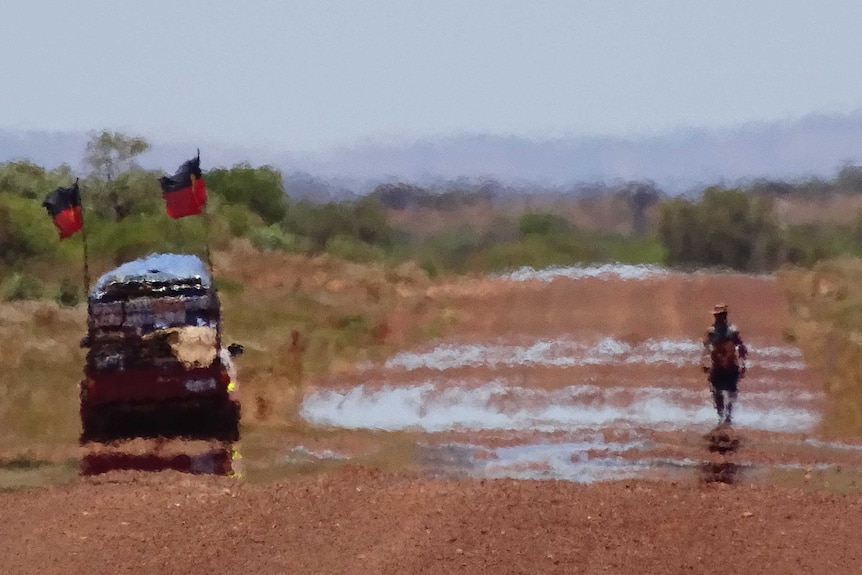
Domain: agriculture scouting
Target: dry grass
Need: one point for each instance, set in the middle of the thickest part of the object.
(340, 313)
(606, 214)
(426, 221)
(827, 305)
(41, 364)
(301, 317)
(835, 209)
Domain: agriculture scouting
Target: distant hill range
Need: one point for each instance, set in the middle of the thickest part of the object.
(677, 161)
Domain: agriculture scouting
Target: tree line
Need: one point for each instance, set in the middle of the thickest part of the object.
(124, 219)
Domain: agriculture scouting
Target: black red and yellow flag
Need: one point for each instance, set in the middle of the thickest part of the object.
(64, 207)
(185, 193)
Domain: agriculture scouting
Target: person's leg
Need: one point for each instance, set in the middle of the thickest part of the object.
(724, 393)
(718, 399)
(729, 401)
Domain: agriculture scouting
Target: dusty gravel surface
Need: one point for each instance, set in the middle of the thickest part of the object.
(357, 521)
(768, 497)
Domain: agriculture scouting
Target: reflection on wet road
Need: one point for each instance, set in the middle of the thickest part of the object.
(574, 380)
(586, 426)
(489, 411)
(196, 458)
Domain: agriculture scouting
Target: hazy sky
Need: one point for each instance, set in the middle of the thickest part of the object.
(299, 76)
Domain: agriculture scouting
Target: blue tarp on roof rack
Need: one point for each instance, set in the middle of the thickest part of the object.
(154, 268)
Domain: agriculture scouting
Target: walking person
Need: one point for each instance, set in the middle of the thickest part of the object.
(724, 357)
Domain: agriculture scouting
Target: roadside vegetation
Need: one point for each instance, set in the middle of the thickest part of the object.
(826, 302)
(311, 287)
(297, 316)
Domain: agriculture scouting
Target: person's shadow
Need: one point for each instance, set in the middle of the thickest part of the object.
(723, 441)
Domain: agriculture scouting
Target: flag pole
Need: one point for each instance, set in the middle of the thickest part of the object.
(207, 251)
(207, 244)
(206, 229)
(84, 242)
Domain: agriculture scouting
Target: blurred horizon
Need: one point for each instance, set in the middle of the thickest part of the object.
(677, 161)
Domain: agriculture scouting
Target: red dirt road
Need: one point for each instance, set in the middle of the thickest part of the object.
(356, 521)
(801, 515)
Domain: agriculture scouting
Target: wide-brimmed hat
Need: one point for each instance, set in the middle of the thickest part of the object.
(719, 308)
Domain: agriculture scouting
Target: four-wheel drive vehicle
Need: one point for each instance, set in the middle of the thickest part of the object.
(155, 365)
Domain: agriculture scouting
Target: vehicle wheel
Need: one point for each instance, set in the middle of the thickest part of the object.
(226, 421)
(92, 426)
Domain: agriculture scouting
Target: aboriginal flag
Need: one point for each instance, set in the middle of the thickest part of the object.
(184, 192)
(64, 206)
